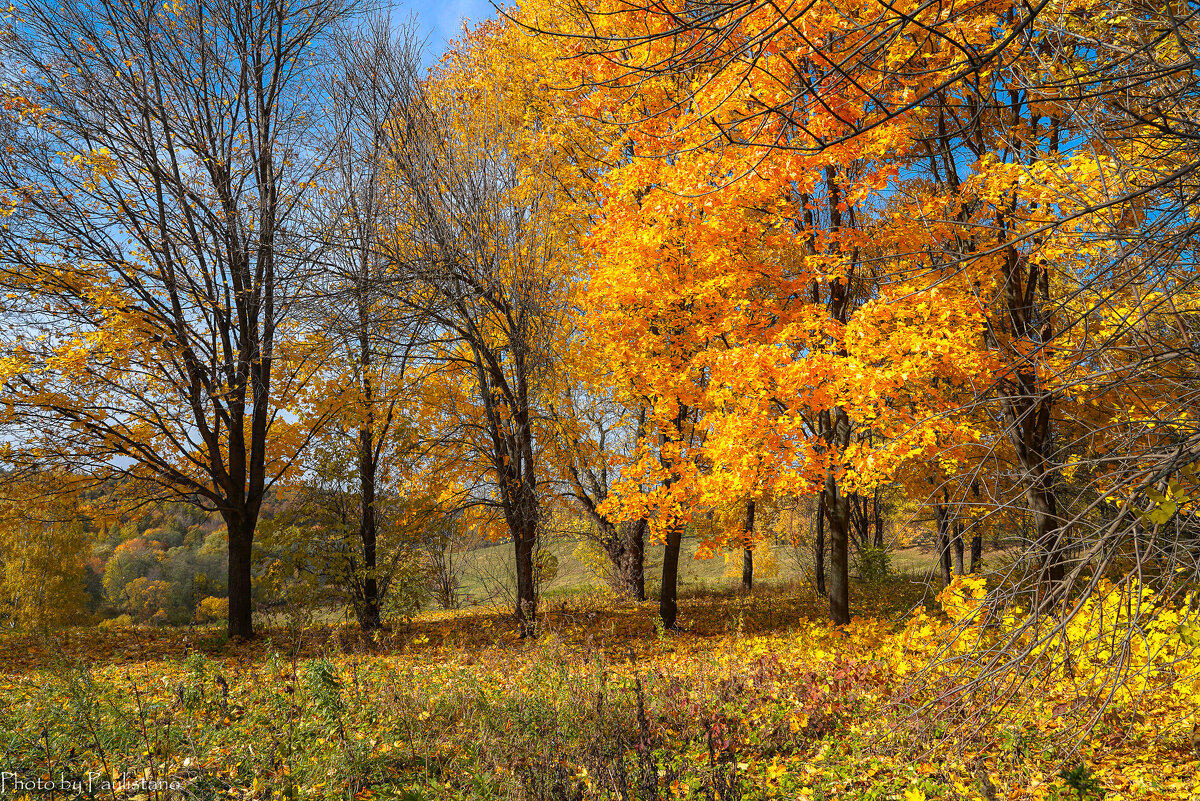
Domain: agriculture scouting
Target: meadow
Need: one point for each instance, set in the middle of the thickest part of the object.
(756, 698)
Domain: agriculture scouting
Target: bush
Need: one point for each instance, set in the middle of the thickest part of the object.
(407, 593)
(593, 558)
(212, 609)
(545, 568)
(874, 564)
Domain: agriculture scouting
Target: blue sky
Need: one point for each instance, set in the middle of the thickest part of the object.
(441, 20)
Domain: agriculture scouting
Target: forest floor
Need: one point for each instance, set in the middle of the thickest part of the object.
(756, 698)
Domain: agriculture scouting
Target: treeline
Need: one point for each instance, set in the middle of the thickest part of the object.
(166, 566)
(638, 270)
(84, 556)
(62, 562)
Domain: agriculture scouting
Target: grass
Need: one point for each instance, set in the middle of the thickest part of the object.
(487, 569)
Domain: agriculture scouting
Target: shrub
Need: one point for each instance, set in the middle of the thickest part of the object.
(545, 568)
(212, 609)
(407, 593)
(874, 564)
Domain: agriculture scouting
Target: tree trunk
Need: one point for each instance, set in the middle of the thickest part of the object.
(748, 550)
(636, 537)
(524, 525)
(958, 547)
(369, 613)
(819, 548)
(943, 542)
(634, 571)
(861, 519)
(1049, 532)
(834, 428)
(977, 537)
(512, 456)
(838, 512)
(625, 546)
(668, 604)
(526, 601)
(241, 544)
(878, 521)
(1027, 404)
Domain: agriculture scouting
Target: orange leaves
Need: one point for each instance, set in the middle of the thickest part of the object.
(713, 273)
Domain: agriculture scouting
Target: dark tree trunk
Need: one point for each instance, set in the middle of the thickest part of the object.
(838, 514)
(943, 542)
(369, 613)
(834, 426)
(625, 546)
(819, 548)
(523, 523)
(526, 601)
(241, 544)
(958, 547)
(878, 521)
(634, 569)
(507, 410)
(861, 518)
(748, 549)
(1027, 404)
(1049, 532)
(977, 537)
(668, 603)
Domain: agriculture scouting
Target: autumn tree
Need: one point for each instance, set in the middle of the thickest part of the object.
(43, 544)
(1035, 284)
(752, 308)
(156, 189)
(986, 102)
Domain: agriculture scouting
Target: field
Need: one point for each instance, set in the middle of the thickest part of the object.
(756, 698)
(487, 569)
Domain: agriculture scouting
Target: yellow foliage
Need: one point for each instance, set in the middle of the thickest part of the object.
(811, 711)
(212, 609)
(42, 551)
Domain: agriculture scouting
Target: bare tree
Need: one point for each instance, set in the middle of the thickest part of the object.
(373, 339)
(474, 253)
